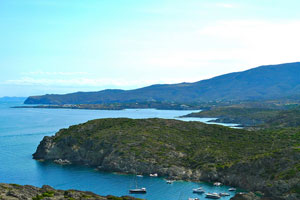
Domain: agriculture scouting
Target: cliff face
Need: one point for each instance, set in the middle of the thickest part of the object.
(28, 192)
(255, 160)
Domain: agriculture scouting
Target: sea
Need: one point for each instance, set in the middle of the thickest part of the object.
(22, 129)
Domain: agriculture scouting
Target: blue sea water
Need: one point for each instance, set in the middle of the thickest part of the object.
(21, 130)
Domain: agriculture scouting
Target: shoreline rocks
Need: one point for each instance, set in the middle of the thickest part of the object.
(246, 196)
(28, 192)
(62, 162)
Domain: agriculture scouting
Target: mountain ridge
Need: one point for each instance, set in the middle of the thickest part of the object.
(263, 82)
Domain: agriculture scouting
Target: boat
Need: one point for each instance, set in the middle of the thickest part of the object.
(154, 175)
(194, 199)
(212, 195)
(224, 194)
(169, 181)
(140, 176)
(217, 184)
(232, 189)
(198, 190)
(138, 190)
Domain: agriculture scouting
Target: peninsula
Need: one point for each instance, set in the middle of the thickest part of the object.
(254, 117)
(266, 160)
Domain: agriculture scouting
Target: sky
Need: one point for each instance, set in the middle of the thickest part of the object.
(62, 46)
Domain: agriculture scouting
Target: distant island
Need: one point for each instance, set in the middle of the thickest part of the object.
(263, 161)
(15, 191)
(261, 83)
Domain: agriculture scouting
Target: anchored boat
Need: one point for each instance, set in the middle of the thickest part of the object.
(217, 184)
(153, 175)
(224, 194)
(138, 190)
(212, 195)
(169, 181)
(198, 190)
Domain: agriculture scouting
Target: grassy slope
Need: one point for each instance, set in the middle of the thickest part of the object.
(257, 160)
(199, 145)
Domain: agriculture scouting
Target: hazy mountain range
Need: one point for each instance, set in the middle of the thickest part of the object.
(264, 82)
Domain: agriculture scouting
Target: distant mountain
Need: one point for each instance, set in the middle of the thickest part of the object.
(264, 82)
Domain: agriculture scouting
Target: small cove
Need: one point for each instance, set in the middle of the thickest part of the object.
(21, 130)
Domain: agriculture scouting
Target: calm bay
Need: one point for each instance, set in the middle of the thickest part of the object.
(22, 129)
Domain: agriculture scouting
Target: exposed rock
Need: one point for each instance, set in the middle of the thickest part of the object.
(62, 162)
(27, 192)
(245, 196)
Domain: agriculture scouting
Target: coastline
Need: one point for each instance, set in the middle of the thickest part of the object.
(118, 106)
(97, 144)
(29, 192)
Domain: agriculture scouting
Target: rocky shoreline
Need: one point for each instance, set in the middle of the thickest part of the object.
(274, 174)
(46, 192)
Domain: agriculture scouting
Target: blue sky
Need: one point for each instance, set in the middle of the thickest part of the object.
(59, 46)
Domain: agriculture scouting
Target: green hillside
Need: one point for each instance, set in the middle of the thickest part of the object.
(254, 160)
(253, 117)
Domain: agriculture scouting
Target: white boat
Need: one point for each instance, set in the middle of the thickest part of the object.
(138, 190)
(217, 184)
(194, 199)
(212, 195)
(224, 194)
(198, 190)
(232, 189)
(169, 181)
(140, 176)
(153, 175)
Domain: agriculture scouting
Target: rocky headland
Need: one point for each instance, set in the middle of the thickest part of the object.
(28, 192)
(254, 117)
(265, 161)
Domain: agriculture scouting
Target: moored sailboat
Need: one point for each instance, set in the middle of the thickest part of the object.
(138, 190)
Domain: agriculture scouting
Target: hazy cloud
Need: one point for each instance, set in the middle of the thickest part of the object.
(89, 82)
(38, 73)
(256, 42)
